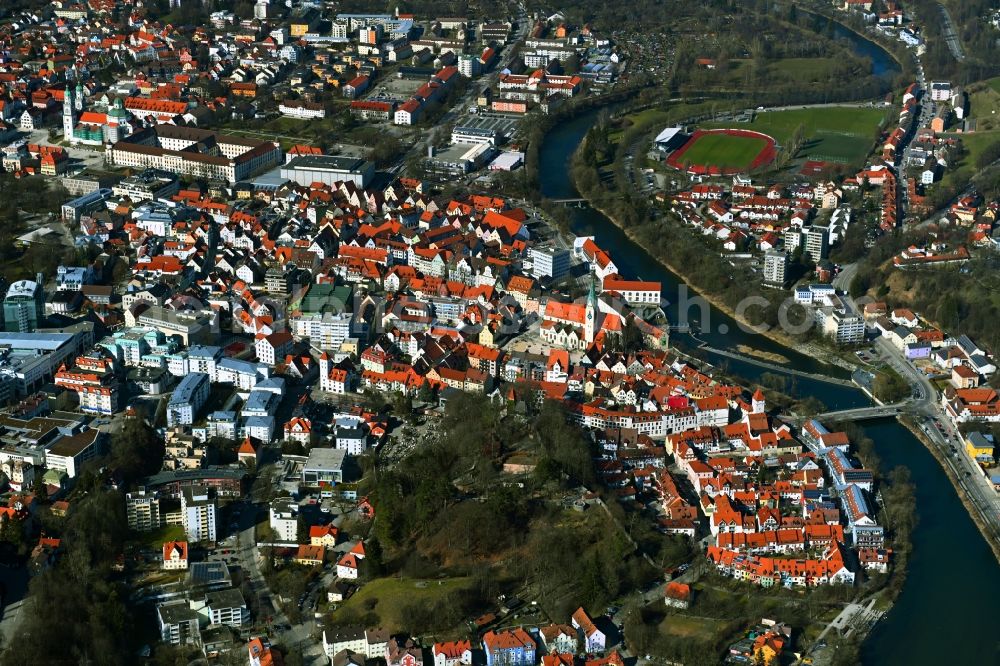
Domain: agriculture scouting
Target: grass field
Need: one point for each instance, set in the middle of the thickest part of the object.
(975, 143)
(984, 104)
(389, 597)
(804, 69)
(688, 626)
(156, 538)
(832, 134)
(724, 150)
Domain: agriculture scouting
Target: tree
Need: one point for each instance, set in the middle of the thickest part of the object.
(426, 394)
(292, 447)
(136, 450)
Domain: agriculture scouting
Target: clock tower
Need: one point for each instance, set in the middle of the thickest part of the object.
(69, 117)
(590, 321)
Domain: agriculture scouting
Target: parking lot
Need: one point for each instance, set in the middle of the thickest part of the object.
(390, 88)
(501, 124)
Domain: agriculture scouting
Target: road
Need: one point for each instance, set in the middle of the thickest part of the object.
(927, 111)
(460, 107)
(844, 278)
(937, 426)
(298, 635)
(950, 34)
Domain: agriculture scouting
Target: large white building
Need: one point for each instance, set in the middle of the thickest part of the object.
(775, 267)
(549, 262)
(635, 292)
(195, 152)
(198, 513)
(187, 399)
(324, 330)
(284, 519)
(328, 169)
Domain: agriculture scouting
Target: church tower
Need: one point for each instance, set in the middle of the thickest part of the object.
(758, 404)
(78, 99)
(590, 323)
(69, 117)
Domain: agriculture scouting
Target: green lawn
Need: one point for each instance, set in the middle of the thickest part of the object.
(648, 115)
(803, 69)
(157, 538)
(831, 147)
(389, 597)
(975, 143)
(724, 151)
(688, 626)
(984, 104)
(834, 134)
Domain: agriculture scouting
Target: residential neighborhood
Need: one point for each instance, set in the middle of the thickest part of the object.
(352, 335)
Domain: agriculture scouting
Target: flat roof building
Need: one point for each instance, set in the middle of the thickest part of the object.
(324, 467)
(328, 169)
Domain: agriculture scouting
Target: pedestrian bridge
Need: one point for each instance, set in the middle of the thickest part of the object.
(579, 202)
(857, 414)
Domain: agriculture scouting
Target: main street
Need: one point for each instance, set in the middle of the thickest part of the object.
(299, 635)
(939, 429)
(462, 106)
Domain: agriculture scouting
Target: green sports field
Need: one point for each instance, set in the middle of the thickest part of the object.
(723, 150)
(832, 134)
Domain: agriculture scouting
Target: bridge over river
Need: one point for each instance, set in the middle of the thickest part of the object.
(857, 414)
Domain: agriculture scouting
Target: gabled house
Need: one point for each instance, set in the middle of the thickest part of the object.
(593, 638)
(175, 555)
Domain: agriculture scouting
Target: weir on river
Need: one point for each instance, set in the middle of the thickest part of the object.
(946, 609)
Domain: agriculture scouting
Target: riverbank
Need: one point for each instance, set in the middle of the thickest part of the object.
(963, 496)
(773, 334)
(877, 39)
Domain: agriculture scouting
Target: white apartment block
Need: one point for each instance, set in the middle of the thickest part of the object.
(284, 520)
(324, 331)
(198, 513)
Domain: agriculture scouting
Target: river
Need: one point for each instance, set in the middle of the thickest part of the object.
(883, 64)
(946, 610)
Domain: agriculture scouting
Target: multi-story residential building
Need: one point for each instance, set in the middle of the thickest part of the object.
(351, 439)
(817, 242)
(175, 555)
(452, 653)
(558, 638)
(593, 638)
(189, 397)
(843, 325)
(509, 647)
(284, 519)
(178, 623)
(350, 638)
(775, 267)
(324, 330)
(224, 607)
(142, 510)
(198, 513)
(274, 347)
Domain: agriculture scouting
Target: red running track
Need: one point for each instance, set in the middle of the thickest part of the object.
(765, 156)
